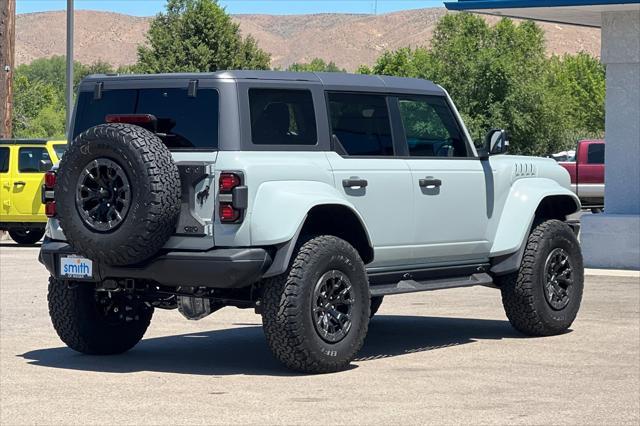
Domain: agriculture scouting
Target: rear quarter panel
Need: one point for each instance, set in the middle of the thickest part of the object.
(278, 200)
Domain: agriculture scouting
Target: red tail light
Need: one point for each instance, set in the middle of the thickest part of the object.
(48, 193)
(228, 213)
(232, 196)
(50, 208)
(50, 180)
(228, 181)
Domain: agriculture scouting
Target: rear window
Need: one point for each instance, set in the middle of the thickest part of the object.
(4, 160)
(595, 153)
(184, 122)
(282, 117)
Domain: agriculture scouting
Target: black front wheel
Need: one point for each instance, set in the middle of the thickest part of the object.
(544, 296)
(316, 315)
(96, 323)
(26, 235)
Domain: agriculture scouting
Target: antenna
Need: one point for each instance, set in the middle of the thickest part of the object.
(375, 7)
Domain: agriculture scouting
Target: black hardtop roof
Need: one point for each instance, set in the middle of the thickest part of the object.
(331, 80)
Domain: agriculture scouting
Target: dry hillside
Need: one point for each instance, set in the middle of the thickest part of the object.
(348, 40)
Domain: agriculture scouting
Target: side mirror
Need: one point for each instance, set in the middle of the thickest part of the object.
(45, 165)
(495, 142)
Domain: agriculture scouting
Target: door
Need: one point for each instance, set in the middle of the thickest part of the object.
(5, 183)
(449, 184)
(27, 184)
(366, 170)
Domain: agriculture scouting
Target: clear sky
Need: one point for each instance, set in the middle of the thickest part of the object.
(276, 7)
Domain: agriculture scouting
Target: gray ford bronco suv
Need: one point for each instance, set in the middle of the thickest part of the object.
(305, 196)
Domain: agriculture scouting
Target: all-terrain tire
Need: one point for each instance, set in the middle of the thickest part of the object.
(523, 293)
(375, 305)
(154, 194)
(26, 235)
(82, 325)
(288, 306)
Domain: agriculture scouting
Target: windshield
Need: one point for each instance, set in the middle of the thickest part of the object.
(183, 121)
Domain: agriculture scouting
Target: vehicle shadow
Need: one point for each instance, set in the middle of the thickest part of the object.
(243, 350)
(16, 245)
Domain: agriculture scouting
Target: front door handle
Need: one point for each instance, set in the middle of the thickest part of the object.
(430, 182)
(19, 183)
(354, 183)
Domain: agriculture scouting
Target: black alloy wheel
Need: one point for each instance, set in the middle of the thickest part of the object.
(103, 196)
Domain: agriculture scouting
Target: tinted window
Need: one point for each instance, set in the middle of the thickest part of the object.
(4, 160)
(595, 153)
(361, 123)
(431, 128)
(33, 160)
(60, 149)
(282, 117)
(183, 121)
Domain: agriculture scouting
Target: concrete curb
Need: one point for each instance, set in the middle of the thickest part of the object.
(612, 273)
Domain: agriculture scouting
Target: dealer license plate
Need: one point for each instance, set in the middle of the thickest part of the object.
(76, 267)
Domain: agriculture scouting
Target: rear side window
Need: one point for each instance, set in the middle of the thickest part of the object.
(183, 121)
(430, 128)
(60, 149)
(360, 122)
(33, 160)
(4, 160)
(595, 153)
(282, 117)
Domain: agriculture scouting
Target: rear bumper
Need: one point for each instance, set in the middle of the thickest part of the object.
(217, 268)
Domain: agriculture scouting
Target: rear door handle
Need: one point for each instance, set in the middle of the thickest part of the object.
(430, 183)
(354, 183)
(19, 183)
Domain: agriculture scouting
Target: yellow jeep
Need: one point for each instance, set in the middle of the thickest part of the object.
(22, 166)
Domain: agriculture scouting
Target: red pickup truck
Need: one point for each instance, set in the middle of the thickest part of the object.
(587, 173)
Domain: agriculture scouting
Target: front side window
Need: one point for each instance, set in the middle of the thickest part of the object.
(33, 160)
(282, 117)
(183, 121)
(4, 160)
(431, 128)
(360, 123)
(595, 153)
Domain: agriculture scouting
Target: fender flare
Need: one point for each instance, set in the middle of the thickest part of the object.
(290, 202)
(527, 199)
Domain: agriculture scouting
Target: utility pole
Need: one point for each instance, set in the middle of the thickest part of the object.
(69, 84)
(7, 60)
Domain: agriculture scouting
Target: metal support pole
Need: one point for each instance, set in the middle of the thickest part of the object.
(69, 82)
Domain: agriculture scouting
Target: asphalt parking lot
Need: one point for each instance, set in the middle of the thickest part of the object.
(442, 357)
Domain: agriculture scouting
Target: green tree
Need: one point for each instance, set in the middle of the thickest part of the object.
(316, 65)
(500, 77)
(197, 36)
(37, 109)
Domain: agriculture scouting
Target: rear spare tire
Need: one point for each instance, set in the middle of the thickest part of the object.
(117, 194)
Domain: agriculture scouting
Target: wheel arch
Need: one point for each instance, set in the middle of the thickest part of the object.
(335, 219)
(528, 204)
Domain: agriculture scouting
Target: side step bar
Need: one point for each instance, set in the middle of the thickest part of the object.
(411, 286)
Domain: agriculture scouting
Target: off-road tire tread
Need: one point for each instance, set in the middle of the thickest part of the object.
(82, 333)
(163, 202)
(281, 310)
(519, 289)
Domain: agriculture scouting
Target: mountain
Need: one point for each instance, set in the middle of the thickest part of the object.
(347, 39)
